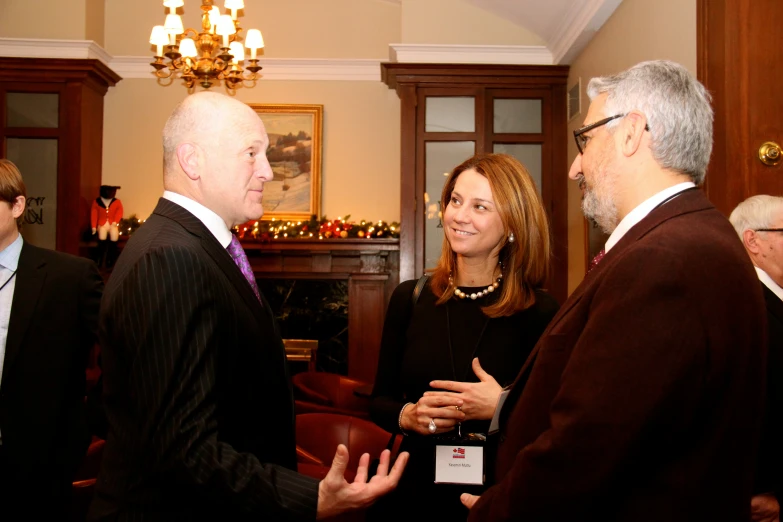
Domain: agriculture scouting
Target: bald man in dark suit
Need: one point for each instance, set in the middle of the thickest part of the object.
(196, 392)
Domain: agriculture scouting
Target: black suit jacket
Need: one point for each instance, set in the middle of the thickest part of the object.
(52, 328)
(195, 384)
(643, 399)
(770, 460)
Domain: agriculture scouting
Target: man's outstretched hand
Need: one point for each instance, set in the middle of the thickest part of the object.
(336, 495)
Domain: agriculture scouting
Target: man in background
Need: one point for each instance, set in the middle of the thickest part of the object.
(642, 400)
(49, 305)
(196, 390)
(759, 222)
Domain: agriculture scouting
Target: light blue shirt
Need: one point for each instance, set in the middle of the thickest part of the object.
(9, 262)
(212, 221)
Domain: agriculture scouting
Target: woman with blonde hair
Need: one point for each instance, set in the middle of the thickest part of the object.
(447, 353)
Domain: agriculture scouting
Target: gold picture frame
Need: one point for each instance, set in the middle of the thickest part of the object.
(295, 148)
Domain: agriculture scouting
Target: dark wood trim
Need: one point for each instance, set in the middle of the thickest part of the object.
(446, 75)
(81, 85)
(408, 196)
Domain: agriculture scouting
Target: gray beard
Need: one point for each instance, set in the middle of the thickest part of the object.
(602, 211)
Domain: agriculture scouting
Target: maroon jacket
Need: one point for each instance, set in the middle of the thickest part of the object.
(642, 399)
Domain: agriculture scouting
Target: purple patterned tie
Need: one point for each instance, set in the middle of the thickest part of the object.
(240, 258)
(597, 259)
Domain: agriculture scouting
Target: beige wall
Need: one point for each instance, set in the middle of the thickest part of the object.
(634, 33)
(43, 19)
(95, 21)
(458, 22)
(361, 157)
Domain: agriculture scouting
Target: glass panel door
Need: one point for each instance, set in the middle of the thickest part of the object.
(440, 159)
(37, 161)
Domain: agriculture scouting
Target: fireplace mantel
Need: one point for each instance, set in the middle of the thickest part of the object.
(371, 267)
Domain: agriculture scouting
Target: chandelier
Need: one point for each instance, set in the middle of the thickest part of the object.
(213, 55)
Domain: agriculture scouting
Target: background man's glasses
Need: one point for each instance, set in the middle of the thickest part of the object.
(769, 230)
(581, 139)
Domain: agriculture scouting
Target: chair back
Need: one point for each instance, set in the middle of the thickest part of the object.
(318, 434)
(324, 392)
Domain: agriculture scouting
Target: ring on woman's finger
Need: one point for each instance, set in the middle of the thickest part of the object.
(458, 408)
(432, 428)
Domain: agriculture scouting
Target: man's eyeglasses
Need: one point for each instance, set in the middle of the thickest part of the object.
(581, 139)
(769, 230)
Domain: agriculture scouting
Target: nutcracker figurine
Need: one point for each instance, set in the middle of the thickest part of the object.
(105, 217)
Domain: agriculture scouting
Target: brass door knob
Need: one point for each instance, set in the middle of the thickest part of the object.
(770, 153)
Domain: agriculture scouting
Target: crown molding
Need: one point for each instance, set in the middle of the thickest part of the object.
(274, 68)
(139, 66)
(49, 48)
(577, 27)
(486, 54)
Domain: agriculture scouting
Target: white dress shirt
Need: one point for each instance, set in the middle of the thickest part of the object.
(641, 211)
(769, 283)
(9, 262)
(212, 221)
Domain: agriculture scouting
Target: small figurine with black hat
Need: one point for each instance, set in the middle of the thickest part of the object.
(105, 217)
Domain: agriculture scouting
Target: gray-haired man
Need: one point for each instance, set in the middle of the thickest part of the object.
(759, 222)
(643, 398)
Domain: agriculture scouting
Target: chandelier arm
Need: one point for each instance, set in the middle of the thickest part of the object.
(164, 73)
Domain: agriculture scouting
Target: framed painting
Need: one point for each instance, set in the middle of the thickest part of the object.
(295, 155)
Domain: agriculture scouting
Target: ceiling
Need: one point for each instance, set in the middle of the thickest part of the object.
(565, 25)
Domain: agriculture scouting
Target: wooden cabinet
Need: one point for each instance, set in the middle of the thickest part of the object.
(51, 126)
(450, 112)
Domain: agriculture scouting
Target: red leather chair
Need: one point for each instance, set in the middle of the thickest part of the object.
(318, 434)
(324, 392)
(84, 482)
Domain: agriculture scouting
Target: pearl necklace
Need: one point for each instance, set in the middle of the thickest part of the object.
(462, 295)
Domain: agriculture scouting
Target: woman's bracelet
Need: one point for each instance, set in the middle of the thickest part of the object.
(399, 419)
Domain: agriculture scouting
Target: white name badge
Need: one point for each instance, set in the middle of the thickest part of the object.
(459, 465)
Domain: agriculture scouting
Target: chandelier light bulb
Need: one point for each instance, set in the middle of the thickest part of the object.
(237, 50)
(173, 27)
(234, 6)
(159, 38)
(187, 48)
(226, 28)
(254, 41)
(214, 18)
(173, 4)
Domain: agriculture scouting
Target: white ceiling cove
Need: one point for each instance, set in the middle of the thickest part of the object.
(565, 25)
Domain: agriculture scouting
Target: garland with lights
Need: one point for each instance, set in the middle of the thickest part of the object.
(323, 228)
(129, 225)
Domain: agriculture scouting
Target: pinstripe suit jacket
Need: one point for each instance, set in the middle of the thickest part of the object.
(196, 390)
